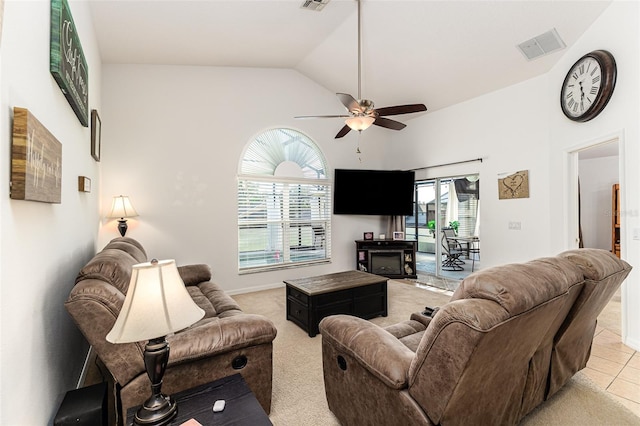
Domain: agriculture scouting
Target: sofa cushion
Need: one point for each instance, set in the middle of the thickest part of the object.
(194, 274)
(213, 300)
(510, 285)
(112, 266)
(129, 245)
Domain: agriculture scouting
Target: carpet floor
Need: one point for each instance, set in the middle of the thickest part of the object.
(298, 386)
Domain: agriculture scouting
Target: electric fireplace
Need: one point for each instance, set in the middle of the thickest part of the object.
(386, 262)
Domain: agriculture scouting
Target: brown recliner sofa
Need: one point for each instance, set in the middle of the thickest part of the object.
(224, 342)
(509, 337)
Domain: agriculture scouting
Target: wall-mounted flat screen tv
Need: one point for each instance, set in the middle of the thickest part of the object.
(373, 192)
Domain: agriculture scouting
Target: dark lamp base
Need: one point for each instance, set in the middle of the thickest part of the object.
(122, 226)
(157, 410)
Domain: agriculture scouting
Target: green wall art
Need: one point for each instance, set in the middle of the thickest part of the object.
(67, 62)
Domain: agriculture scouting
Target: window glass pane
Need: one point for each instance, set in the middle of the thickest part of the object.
(282, 219)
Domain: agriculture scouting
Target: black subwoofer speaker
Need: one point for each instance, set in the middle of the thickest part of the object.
(84, 406)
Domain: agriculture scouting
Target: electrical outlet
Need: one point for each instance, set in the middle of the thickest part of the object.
(636, 233)
(515, 226)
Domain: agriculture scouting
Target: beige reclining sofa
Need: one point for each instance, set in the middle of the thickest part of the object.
(226, 341)
(507, 340)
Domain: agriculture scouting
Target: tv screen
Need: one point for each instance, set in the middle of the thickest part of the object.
(373, 192)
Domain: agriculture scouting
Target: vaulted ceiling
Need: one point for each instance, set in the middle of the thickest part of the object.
(416, 51)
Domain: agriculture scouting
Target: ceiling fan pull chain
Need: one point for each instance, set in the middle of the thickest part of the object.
(359, 55)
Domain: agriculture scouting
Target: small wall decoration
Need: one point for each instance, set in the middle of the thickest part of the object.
(66, 60)
(515, 185)
(96, 135)
(368, 235)
(398, 235)
(84, 184)
(36, 160)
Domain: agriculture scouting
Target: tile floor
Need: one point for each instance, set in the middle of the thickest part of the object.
(612, 365)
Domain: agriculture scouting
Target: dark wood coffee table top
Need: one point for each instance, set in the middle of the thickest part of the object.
(328, 283)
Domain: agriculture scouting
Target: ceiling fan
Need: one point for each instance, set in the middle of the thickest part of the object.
(362, 113)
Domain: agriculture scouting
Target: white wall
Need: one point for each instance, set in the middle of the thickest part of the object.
(597, 177)
(173, 138)
(522, 128)
(508, 140)
(617, 30)
(43, 245)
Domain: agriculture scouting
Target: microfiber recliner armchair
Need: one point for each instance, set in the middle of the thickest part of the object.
(508, 339)
(226, 341)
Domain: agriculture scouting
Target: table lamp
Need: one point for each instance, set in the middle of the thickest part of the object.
(157, 304)
(122, 208)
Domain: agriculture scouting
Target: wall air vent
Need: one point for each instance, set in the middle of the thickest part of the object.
(316, 5)
(541, 45)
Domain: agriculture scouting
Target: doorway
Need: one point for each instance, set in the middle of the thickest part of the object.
(446, 204)
(594, 170)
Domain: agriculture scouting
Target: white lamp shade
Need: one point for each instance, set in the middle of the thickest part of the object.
(122, 207)
(359, 122)
(157, 304)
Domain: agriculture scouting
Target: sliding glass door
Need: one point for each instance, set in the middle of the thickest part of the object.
(446, 203)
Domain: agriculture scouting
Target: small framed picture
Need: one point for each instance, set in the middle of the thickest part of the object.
(96, 134)
(368, 235)
(398, 235)
(361, 255)
(382, 236)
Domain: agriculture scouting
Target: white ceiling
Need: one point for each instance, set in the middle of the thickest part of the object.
(414, 51)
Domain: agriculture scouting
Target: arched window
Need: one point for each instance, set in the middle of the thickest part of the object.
(284, 203)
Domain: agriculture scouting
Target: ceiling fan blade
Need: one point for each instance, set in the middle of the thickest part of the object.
(346, 129)
(323, 116)
(401, 109)
(349, 102)
(389, 124)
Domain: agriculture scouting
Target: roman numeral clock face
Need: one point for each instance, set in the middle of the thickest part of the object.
(588, 86)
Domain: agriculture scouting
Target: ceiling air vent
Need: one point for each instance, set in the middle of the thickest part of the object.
(542, 45)
(316, 5)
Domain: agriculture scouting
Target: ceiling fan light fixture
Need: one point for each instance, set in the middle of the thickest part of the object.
(359, 123)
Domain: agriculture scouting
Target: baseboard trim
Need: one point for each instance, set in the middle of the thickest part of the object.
(256, 288)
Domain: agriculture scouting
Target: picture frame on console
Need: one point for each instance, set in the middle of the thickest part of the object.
(368, 236)
(398, 235)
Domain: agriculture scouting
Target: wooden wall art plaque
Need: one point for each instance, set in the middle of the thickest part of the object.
(36, 160)
(515, 185)
(67, 62)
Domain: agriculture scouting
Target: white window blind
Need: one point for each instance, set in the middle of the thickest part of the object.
(283, 221)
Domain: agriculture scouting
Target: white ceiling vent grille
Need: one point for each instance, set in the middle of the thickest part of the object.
(316, 5)
(542, 45)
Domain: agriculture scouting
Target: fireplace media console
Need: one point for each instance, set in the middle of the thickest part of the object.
(389, 258)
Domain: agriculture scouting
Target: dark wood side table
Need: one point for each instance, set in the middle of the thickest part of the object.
(242, 407)
(352, 292)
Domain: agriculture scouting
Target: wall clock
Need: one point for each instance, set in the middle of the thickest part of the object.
(588, 86)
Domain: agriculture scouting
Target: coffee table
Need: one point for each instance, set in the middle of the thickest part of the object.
(352, 292)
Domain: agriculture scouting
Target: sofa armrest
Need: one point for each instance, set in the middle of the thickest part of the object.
(373, 347)
(422, 318)
(213, 336)
(194, 274)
